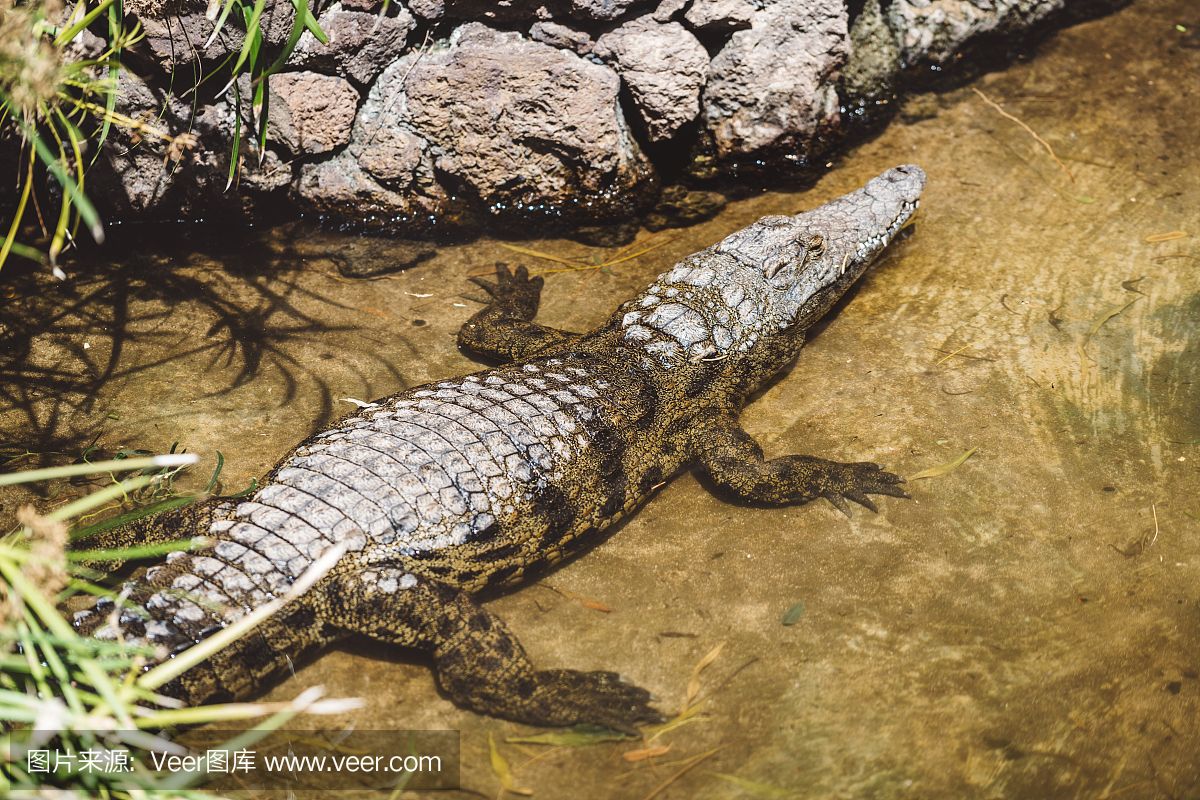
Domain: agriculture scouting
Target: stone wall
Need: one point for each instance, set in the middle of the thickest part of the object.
(452, 114)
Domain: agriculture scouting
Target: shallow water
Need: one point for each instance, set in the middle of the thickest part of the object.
(1028, 625)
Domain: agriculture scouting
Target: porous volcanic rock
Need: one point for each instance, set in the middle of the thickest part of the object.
(772, 88)
(360, 44)
(936, 30)
(531, 131)
(562, 36)
(310, 112)
(445, 113)
(664, 65)
(720, 15)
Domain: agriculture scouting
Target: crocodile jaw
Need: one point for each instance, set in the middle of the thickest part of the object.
(842, 238)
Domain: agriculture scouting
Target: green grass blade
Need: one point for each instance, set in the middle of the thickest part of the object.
(250, 46)
(236, 148)
(70, 33)
(212, 37)
(86, 210)
(139, 551)
(169, 504)
(10, 238)
(99, 468)
(310, 22)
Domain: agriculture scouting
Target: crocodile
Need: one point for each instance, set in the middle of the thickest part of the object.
(462, 486)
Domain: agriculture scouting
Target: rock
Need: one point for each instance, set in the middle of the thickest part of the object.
(385, 177)
(664, 66)
(617, 235)
(360, 44)
(310, 113)
(341, 190)
(492, 107)
(491, 10)
(771, 89)
(146, 176)
(667, 9)
(870, 73)
(602, 9)
(365, 258)
(428, 9)
(720, 15)
(179, 38)
(935, 30)
(273, 174)
(562, 37)
(679, 207)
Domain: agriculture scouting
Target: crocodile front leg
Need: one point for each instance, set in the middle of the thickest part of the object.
(479, 663)
(504, 329)
(735, 462)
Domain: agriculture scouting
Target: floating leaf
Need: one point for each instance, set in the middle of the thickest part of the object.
(943, 469)
(504, 772)
(754, 787)
(793, 614)
(693, 687)
(644, 753)
(578, 736)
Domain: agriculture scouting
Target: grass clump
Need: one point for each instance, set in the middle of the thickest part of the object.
(90, 701)
(59, 69)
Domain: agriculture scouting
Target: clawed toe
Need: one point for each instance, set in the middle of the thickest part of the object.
(856, 481)
(570, 697)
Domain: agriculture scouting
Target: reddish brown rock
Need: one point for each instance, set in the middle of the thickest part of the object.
(310, 113)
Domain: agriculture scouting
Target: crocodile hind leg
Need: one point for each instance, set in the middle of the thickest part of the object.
(735, 462)
(504, 329)
(479, 663)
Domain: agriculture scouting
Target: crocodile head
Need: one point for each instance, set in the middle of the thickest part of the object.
(754, 293)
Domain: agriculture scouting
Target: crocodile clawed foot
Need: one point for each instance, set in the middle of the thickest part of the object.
(571, 697)
(842, 482)
(514, 290)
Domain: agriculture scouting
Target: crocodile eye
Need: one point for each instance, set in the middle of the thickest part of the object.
(815, 246)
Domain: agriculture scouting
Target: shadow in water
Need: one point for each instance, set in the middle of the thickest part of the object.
(237, 307)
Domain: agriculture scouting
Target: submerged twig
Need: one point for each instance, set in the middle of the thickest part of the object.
(1000, 110)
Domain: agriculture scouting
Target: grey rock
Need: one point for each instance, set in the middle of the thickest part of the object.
(428, 9)
(180, 38)
(679, 207)
(360, 44)
(365, 257)
(664, 66)
(340, 189)
(491, 106)
(270, 174)
(492, 10)
(385, 177)
(771, 88)
(602, 9)
(146, 176)
(720, 15)
(668, 9)
(310, 113)
(870, 72)
(562, 37)
(935, 30)
(383, 141)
